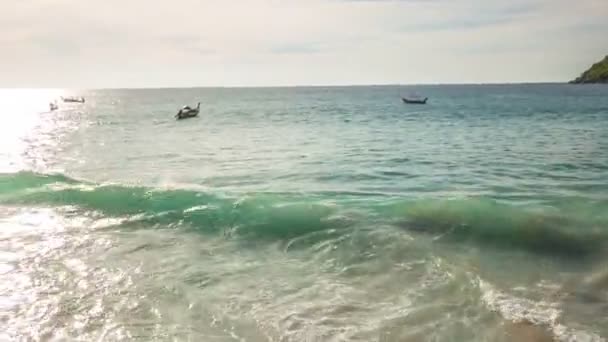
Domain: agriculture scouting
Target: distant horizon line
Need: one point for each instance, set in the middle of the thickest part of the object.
(297, 86)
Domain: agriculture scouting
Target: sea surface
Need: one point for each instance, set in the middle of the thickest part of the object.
(305, 214)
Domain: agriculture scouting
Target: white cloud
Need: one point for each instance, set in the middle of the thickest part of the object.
(112, 43)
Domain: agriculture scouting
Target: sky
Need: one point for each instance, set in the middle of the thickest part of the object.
(145, 43)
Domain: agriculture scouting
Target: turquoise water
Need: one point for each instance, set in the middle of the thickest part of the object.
(306, 214)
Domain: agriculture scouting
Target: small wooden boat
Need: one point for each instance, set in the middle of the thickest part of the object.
(414, 100)
(53, 106)
(187, 112)
(73, 99)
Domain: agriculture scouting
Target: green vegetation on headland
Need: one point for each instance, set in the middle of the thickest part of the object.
(598, 73)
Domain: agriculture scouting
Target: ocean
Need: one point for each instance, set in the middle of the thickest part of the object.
(305, 214)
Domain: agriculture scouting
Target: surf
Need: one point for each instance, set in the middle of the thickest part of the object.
(579, 230)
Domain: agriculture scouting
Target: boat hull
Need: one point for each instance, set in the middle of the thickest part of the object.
(410, 101)
(181, 116)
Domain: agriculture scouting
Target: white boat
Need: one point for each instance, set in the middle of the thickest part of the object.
(73, 99)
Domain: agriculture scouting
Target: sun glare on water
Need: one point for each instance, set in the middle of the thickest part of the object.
(22, 111)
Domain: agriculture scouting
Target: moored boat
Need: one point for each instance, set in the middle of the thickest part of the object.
(188, 112)
(73, 99)
(414, 100)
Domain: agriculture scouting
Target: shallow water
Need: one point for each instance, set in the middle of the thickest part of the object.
(306, 214)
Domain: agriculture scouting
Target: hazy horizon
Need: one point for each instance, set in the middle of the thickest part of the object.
(270, 43)
(287, 86)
